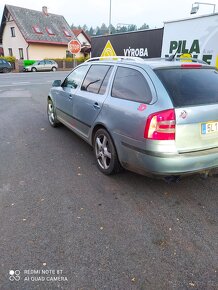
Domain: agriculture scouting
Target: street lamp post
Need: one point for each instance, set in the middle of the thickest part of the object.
(110, 18)
(195, 7)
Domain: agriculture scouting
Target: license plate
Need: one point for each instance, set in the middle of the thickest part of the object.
(209, 127)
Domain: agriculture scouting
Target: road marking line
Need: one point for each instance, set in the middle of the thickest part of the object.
(15, 97)
(20, 83)
(23, 84)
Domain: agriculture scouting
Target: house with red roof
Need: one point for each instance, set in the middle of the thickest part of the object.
(31, 34)
(84, 40)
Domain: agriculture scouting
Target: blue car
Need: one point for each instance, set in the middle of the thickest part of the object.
(5, 66)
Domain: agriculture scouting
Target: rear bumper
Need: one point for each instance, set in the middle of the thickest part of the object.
(157, 163)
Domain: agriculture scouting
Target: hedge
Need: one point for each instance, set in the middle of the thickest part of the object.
(71, 59)
(27, 62)
(8, 58)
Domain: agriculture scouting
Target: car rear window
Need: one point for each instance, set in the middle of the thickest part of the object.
(190, 87)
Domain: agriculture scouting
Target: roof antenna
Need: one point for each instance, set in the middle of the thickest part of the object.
(172, 56)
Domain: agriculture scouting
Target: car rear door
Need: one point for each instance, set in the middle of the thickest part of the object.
(48, 65)
(194, 93)
(90, 98)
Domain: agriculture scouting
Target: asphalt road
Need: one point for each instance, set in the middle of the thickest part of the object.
(64, 225)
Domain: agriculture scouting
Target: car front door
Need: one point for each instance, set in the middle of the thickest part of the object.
(64, 96)
(40, 65)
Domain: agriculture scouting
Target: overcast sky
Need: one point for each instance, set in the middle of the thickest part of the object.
(95, 12)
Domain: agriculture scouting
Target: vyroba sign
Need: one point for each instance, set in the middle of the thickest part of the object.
(74, 46)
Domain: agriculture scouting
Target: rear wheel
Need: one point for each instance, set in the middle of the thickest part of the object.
(51, 114)
(33, 69)
(54, 68)
(105, 153)
(6, 70)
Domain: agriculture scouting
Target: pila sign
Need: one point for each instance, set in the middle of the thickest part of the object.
(195, 36)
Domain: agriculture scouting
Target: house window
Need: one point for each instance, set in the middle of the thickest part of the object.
(12, 31)
(50, 32)
(67, 33)
(21, 53)
(10, 51)
(37, 29)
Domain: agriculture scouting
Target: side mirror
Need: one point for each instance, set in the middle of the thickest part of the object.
(56, 83)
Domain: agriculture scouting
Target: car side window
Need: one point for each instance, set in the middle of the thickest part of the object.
(1, 61)
(105, 82)
(130, 84)
(74, 79)
(95, 78)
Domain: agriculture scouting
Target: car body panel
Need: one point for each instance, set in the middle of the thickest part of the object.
(189, 123)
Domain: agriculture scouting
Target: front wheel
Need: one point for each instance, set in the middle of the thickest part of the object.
(54, 68)
(105, 153)
(51, 114)
(33, 69)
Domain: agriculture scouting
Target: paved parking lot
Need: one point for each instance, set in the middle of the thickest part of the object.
(64, 225)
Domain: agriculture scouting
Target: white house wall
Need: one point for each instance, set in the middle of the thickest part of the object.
(82, 39)
(13, 42)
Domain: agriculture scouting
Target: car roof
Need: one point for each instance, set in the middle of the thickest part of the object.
(153, 63)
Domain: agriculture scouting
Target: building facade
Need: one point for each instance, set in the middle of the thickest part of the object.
(30, 34)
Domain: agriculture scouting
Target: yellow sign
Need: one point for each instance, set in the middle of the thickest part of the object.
(185, 57)
(108, 50)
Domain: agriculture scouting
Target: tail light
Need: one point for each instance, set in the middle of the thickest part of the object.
(161, 126)
(192, 65)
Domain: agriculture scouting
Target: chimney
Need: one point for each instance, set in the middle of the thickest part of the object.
(45, 10)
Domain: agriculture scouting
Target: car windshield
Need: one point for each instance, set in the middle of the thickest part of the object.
(190, 87)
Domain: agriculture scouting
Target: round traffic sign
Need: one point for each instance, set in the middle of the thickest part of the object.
(74, 46)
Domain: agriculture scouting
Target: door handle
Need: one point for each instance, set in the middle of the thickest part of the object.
(96, 106)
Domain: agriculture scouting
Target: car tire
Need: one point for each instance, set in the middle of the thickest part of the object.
(54, 68)
(6, 70)
(34, 69)
(52, 118)
(105, 153)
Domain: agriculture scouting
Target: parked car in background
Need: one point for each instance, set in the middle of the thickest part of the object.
(5, 66)
(42, 65)
(154, 117)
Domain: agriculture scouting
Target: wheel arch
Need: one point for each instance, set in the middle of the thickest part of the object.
(95, 129)
(102, 126)
(49, 98)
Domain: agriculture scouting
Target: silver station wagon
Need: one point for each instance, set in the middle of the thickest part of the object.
(42, 65)
(154, 117)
